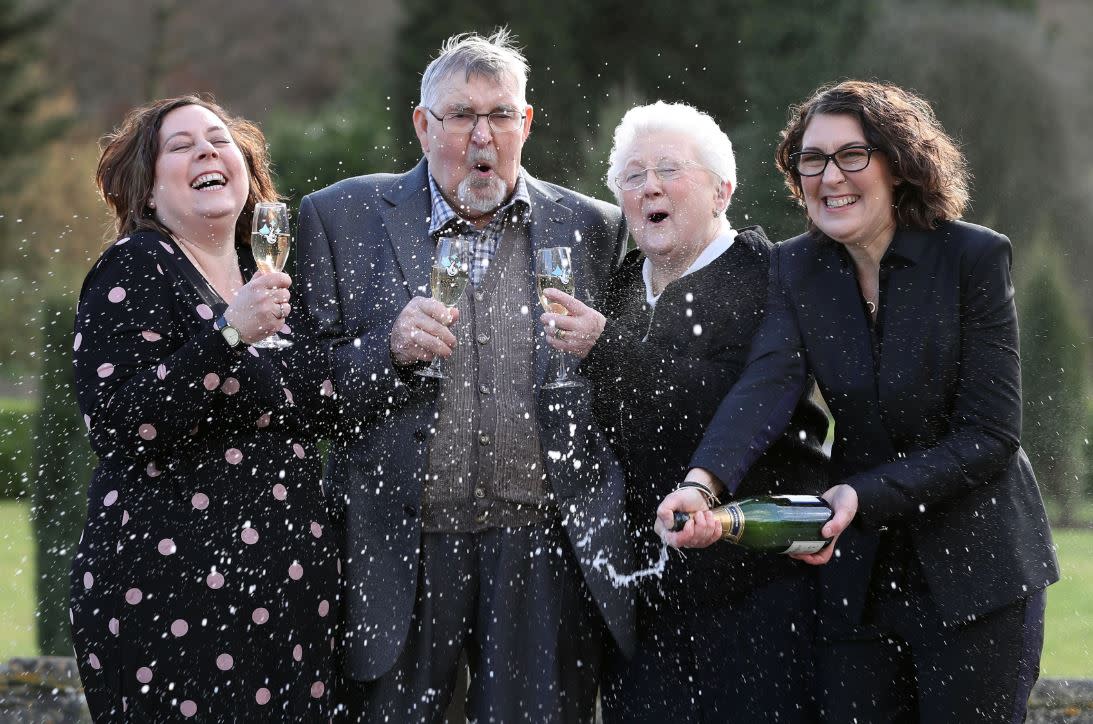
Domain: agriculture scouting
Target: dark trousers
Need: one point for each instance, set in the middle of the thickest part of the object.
(749, 660)
(910, 666)
(514, 600)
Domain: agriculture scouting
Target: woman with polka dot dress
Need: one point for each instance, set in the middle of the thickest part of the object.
(204, 586)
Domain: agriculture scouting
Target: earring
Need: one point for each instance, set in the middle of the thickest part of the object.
(151, 203)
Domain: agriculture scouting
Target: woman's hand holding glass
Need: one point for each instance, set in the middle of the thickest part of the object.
(270, 240)
(575, 332)
(260, 306)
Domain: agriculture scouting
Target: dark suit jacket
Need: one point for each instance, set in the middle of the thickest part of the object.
(931, 442)
(659, 379)
(364, 251)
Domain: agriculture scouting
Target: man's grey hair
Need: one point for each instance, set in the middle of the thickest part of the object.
(712, 146)
(495, 58)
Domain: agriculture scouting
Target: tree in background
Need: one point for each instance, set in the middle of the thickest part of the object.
(1055, 380)
(63, 463)
(23, 129)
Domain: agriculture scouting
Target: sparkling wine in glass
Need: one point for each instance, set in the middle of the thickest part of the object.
(448, 279)
(270, 240)
(554, 270)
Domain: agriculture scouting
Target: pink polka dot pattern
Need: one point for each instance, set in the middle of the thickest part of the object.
(316, 530)
(263, 421)
(105, 370)
(249, 536)
(113, 626)
(147, 431)
(298, 652)
(233, 455)
(116, 295)
(133, 596)
(285, 329)
(211, 381)
(324, 607)
(179, 628)
(121, 241)
(187, 708)
(77, 342)
(200, 501)
(167, 547)
(288, 394)
(204, 311)
(262, 696)
(279, 491)
(151, 470)
(299, 450)
(87, 421)
(150, 336)
(327, 389)
(295, 571)
(259, 615)
(161, 372)
(168, 247)
(94, 661)
(224, 662)
(124, 517)
(317, 690)
(214, 580)
(88, 580)
(230, 386)
(253, 352)
(144, 674)
(110, 498)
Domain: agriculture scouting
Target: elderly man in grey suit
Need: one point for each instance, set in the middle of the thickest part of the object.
(480, 514)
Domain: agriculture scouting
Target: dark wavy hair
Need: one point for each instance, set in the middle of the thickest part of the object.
(127, 167)
(933, 170)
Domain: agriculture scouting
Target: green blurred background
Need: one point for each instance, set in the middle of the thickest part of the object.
(333, 84)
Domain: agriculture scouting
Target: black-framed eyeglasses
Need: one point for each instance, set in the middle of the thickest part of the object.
(849, 159)
(461, 122)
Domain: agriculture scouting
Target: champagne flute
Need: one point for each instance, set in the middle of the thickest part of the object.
(448, 279)
(269, 243)
(554, 270)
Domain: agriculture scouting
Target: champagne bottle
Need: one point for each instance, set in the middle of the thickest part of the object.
(774, 523)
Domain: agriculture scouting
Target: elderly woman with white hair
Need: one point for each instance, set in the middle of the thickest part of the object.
(723, 633)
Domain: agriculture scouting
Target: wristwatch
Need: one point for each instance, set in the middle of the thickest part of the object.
(230, 333)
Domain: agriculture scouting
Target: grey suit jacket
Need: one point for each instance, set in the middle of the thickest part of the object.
(363, 252)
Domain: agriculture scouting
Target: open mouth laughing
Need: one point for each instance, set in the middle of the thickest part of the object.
(838, 202)
(206, 181)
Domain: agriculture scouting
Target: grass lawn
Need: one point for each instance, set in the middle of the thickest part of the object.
(17, 576)
(1068, 648)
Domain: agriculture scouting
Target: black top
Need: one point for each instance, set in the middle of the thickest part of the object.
(659, 376)
(927, 433)
(206, 579)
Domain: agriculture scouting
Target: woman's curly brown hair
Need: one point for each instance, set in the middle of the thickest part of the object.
(127, 166)
(933, 171)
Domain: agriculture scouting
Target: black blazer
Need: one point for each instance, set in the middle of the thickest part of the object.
(931, 441)
(363, 252)
(658, 379)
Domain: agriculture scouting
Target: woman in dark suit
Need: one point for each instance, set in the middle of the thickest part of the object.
(932, 596)
(203, 585)
(724, 633)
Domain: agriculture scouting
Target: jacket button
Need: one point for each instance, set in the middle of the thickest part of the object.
(411, 511)
(479, 295)
(484, 389)
(481, 517)
(483, 338)
(484, 439)
(480, 492)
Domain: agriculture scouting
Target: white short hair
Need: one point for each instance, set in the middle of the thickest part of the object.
(713, 147)
(496, 58)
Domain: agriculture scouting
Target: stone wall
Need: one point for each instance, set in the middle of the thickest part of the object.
(47, 690)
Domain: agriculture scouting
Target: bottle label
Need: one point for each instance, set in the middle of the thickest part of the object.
(805, 546)
(799, 499)
(735, 529)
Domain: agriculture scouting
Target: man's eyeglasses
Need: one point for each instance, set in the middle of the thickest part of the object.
(850, 159)
(632, 179)
(462, 122)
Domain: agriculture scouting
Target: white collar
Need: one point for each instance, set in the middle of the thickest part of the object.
(720, 244)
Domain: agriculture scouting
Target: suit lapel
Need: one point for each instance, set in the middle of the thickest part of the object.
(406, 221)
(551, 225)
